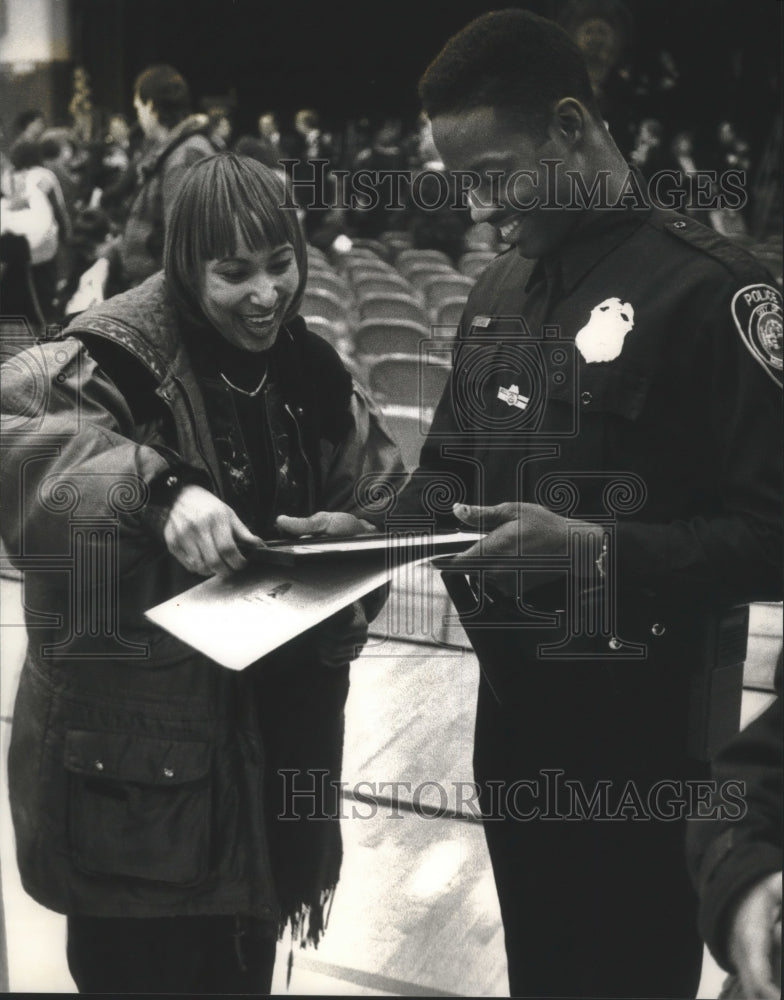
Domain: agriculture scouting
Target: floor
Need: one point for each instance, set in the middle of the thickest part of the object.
(415, 913)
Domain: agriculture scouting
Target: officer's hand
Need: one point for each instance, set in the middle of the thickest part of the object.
(516, 531)
(755, 940)
(204, 534)
(340, 639)
(325, 522)
(520, 529)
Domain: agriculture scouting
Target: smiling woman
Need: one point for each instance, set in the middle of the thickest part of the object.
(144, 805)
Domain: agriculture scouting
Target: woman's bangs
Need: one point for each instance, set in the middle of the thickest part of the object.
(243, 208)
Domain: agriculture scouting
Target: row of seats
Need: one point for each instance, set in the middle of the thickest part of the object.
(392, 311)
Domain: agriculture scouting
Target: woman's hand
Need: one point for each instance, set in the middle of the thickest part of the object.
(204, 534)
(325, 522)
(340, 639)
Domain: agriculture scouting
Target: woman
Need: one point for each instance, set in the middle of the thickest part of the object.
(172, 425)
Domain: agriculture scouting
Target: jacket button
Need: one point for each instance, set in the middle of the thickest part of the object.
(168, 773)
(679, 225)
(300, 411)
(171, 480)
(586, 397)
(615, 643)
(98, 765)
(658, 630)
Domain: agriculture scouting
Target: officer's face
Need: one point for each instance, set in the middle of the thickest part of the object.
(512, 185)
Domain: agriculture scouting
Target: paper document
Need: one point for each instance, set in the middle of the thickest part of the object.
(236, 620)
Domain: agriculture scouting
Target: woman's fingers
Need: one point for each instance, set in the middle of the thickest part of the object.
(205, 535)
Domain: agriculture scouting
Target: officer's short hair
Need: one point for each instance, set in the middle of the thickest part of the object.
(168, 91)
(511, 60)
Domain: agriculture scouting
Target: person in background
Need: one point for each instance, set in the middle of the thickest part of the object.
(34, 207)
(147, 783)
(269, 133)
(219, 129)
(603, 31)
(736, 863)
(176, 140)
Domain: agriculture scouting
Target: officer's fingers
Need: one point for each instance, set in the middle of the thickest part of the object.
(488, 517)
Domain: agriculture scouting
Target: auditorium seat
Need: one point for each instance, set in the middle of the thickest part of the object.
(419, 256)
(439, 287)
(449, 310)
(376, 337)
(330, 281)
(408, 380)
(375, 246)
(419, 273)
(392, 305)
(326, 304)
(365, 283)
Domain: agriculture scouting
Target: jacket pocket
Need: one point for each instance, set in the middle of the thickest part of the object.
(139, 806)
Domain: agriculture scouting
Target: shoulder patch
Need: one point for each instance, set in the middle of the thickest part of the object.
(756, 310)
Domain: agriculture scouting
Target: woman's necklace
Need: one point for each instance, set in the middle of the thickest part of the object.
(246, 392)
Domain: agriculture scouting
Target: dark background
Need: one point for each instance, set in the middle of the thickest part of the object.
(351, 59)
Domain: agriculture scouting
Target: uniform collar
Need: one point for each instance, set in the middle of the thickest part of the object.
(595, 234)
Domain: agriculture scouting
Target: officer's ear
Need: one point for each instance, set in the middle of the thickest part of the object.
(568, 121)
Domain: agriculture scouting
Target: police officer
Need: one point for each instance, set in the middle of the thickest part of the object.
(613, 421)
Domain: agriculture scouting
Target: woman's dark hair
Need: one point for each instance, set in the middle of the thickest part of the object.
(511, 60)
(223, 199)
(25, 154)
(168, 91)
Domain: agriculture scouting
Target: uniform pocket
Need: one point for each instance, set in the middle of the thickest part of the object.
(139, 806)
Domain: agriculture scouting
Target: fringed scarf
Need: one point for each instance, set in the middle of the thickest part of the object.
(300, 706)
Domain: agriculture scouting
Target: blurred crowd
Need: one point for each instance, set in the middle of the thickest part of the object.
(70, 201)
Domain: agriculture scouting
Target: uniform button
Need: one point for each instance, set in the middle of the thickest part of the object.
(586, 397)
(168, 773)
(171, 480)
(679, 225)
(658, 630)
(300, 411)
(615, 643)
(98, 765)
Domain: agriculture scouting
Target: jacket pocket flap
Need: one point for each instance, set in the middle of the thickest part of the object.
(133, 758)
(605, 389)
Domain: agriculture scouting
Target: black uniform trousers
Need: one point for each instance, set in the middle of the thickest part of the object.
(584, 787)
(193, 955)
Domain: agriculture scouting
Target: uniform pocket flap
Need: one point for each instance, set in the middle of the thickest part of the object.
(613, 390)
(129, 757)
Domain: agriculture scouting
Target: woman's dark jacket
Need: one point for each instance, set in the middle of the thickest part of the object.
(144, 777)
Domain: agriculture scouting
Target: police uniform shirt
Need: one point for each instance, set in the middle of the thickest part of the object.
(634, 375)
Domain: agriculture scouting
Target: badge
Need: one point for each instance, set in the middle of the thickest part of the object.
(482, 322)
(601, 339)
(512, 397)
(756, 310)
